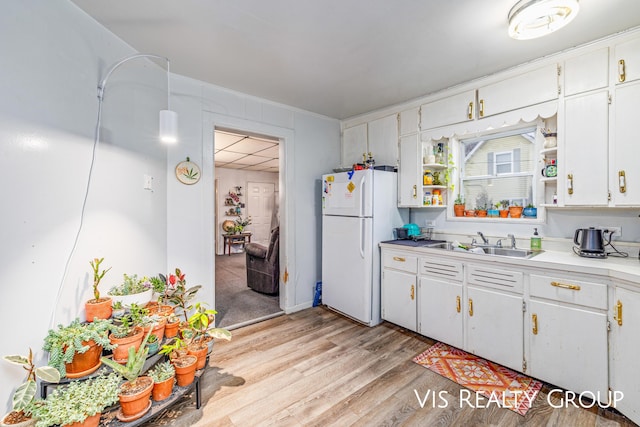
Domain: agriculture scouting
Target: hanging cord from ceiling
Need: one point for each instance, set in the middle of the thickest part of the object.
(96, 140)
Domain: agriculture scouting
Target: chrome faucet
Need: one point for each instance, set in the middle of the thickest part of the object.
(484, 239)
(510, 237)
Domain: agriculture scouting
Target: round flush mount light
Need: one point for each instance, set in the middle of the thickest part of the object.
(530, 19)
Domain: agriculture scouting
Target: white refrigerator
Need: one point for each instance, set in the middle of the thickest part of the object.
(359, 210)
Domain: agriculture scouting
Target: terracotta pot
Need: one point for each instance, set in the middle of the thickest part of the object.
(11, 416)
(503, 213)
(160, 309)
(100, 309)
(185, 369)
(458, 210)
(85, 363)
(158, 330)
(163, 389)
(171, 329)
(121, 352)
(469, 213)
(133, 404)
(515, 211)
(200, 351)
(91, 421)
(481, 213)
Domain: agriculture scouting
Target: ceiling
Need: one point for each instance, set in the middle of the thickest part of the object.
(342, 58)
(234, 150)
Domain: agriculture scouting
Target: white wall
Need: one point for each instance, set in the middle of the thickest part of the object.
(53, 57)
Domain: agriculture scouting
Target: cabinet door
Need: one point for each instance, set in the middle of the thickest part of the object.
(440, 310)
(354, 143)
(628, 61)
(495, 326)
(454, 109)
(625, 347)
(410, 172)
(625, 174)
(399, 298)
(520, 91)
(586, 72)
(586, 150)
(568, 347)
(408, 121)
(383, 140)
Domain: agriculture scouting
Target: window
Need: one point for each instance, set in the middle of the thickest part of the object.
(498, 167)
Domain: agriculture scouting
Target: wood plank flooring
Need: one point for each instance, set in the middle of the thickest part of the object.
(317, 368)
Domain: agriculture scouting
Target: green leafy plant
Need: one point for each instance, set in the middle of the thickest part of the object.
(117, 305)
(158, 284)
(504, 204)
(131, 285)
(66, 341)
(178, 293)
(26, 392)
(76, 401)
(162, 371)
(530, 205)
(459, 200)
(97, 275)
(133, 368)
(174, 349)
(201, 322)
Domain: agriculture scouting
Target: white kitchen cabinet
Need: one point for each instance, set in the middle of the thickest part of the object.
(399, 289)
(585, 160)
(532, 87)
(567, 332)
(354, 143)
(624, 172)
(627, 57)
(409, 121)
(453, 109)
(494, 315)
(586, 72)
(440, 312)
(625, 347)
(410, 171)
(382, 140)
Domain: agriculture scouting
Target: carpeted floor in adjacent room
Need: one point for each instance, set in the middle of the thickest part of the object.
(236, 303)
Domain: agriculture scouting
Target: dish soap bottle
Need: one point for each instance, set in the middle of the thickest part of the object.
(536, 241)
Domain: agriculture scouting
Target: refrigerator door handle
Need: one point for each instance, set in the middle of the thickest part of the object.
(362, 237)
(362, 195)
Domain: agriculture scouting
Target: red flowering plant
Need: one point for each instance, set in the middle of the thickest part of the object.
(177, 293)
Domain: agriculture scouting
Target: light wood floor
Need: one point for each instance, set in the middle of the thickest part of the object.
(317, 368)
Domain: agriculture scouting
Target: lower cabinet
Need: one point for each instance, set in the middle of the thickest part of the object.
(625, 348)
(567, 334)
(399, 289)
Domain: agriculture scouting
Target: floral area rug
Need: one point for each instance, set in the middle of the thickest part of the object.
(500, 385)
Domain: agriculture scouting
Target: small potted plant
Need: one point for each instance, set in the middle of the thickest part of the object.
(26, 392)
(179, 295)
(481, 211)
(163, 375)
(132, 290)
(125, 335)
(117, 310)
(493, 211)
(172, 326)
(153, 344)
(530, 211)
(202, 331)
(135, 393)
(75, 350)
(504, 209)
(515, 210)
(458, 206)
(184, 364)
(97, 307)
(79, 404)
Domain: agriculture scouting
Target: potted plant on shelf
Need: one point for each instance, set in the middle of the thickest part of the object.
(117, 310)
(124, 336)
(75, 350)
(179, 295)
(171, 328)
(515, 210)
(504, 208)
(163, 375)
(132, 290)
(134, 394)
(530, 211)
(153, 344)
(492, 211)
(481, 211)
(458, 206)
(78, 404)
(26, 392)
(97, 307)
(184, 364)
(203, 333)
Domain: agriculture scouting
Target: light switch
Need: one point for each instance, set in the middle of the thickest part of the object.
(148, 182)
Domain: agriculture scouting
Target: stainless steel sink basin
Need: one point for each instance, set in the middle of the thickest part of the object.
(489, 250)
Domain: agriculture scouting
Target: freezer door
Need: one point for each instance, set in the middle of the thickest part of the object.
(348, 193)
(347, 266)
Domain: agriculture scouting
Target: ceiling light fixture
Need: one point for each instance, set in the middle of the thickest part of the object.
(168, 119)
(530, 19)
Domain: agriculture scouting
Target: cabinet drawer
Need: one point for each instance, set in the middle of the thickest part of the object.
(570, 291)
(437, 267)
(400, 261)
(495, 278)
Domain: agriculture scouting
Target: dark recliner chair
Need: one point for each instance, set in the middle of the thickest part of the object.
(263, 265)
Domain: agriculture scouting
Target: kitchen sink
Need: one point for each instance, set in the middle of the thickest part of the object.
(488, 250)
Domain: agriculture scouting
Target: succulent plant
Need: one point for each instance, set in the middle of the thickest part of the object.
(162, 371)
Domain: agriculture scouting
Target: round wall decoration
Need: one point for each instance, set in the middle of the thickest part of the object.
(188, 172)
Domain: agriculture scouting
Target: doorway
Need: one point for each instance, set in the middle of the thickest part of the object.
(247, 176)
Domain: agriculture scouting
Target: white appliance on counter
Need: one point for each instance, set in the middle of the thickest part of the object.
(359, 210)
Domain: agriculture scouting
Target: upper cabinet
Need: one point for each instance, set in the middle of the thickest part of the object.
(409, 121)
(378, 137)
(628, 61)
(526, 89)
(586, 72)
(453, 109)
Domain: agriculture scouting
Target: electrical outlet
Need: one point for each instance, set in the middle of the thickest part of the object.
(617, 231)
(430, 223)
(148, 182)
